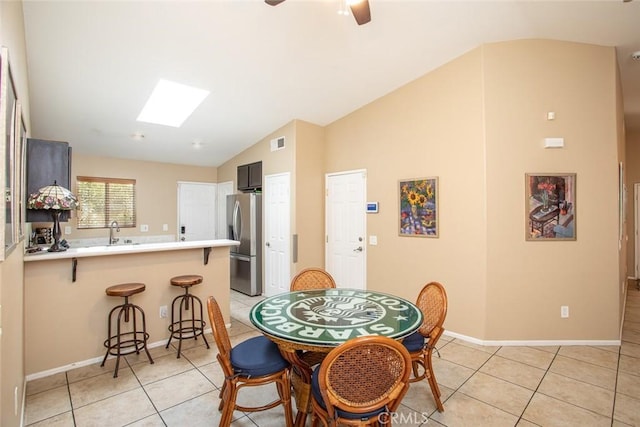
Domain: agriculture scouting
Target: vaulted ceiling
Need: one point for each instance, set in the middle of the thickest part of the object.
(93, 64)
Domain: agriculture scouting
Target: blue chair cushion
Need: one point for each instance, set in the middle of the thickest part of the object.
(315, 390)
(257, 357)
(414, 342)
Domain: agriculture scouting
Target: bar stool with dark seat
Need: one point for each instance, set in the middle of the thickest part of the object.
(127, 341)
(189, 326)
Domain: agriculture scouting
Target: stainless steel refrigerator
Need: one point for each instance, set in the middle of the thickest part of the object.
(244, 223)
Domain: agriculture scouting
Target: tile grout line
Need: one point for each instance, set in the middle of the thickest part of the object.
(546, 371)
(145, 392)
(73, 414)
(615, 387)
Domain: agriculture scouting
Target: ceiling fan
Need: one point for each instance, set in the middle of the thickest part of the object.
(359, 8)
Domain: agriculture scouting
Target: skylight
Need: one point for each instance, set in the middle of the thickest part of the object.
(171, 103)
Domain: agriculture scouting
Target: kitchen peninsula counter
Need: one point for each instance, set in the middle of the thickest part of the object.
(128, 248)
(66, 319)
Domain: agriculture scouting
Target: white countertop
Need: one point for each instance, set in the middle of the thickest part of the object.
(92, 251)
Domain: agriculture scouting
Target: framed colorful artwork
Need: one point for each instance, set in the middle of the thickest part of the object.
(550, 206)
(8, 111)
(418, 206)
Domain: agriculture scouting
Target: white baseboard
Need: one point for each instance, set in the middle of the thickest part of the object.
(94, 360)
(80, 364)
(531, 343)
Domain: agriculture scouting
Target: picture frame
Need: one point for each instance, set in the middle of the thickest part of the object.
(418, 207)
(550, 206)
(20, 156)
(8, 111)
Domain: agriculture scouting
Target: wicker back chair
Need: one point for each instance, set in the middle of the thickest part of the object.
(254, 362)
(432, 301)
(361, 382)
(312, 278)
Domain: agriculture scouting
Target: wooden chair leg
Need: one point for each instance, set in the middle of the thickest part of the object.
(435, 390)
(432, 375)
(221, 396)
(229, 407)
(283, 386)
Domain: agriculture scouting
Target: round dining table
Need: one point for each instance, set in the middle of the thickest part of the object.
(306, 325)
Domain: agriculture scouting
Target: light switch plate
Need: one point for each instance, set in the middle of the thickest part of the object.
(144, 228)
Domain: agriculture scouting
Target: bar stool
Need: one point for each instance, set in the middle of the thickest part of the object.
(191, 326)
(126, 342)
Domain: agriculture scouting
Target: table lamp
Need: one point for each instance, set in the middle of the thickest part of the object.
(57, 199)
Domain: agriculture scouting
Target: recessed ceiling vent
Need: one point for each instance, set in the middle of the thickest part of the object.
(277, 143)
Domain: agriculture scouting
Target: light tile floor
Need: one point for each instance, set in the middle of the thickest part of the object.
(481, 386)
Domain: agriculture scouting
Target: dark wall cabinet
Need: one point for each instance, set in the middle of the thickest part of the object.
(47, 162)
(250, 177)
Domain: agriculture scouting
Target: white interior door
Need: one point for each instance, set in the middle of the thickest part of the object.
(196, 211)
(224, 189)
(346, 251)
(277, 220)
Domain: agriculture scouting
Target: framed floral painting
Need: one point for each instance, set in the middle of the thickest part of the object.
(419, 215)
(550, 206)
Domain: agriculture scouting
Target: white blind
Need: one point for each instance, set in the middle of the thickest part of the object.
(103, 200)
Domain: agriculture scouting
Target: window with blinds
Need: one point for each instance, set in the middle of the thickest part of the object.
(104, 200)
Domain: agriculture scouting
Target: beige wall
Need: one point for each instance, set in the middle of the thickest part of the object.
(308, 203)
(156, 191)
(11, 276)
(478, 123)
(12, 339)
(529, 281)
(430, 127)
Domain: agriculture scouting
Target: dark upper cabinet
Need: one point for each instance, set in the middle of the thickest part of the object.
(255, 175)
(243, 177)
(250, 177)
(47, 162)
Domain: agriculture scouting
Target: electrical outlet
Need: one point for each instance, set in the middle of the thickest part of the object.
(163, 311)
(564, 311)
(144, 228)
(165, 227)
(67, 230)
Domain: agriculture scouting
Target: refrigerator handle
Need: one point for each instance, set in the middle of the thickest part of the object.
(237, 229)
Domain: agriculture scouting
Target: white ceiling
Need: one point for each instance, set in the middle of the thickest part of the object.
(92, 64)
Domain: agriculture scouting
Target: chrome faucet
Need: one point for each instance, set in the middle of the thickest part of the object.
(114, 225)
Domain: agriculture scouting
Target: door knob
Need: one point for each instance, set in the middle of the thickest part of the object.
(268, 244)
(358, 249)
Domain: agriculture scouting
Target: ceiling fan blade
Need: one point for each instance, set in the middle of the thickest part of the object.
(361, 11)
(273, 2)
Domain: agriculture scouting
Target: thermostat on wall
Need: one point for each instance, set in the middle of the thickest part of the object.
(372, 207)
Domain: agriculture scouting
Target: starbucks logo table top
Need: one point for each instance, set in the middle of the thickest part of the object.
(329, 317)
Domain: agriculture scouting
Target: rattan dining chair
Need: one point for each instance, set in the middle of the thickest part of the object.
(309, 279)
(432, 301)
(360, 382)
(312, 278)
(254, 362)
